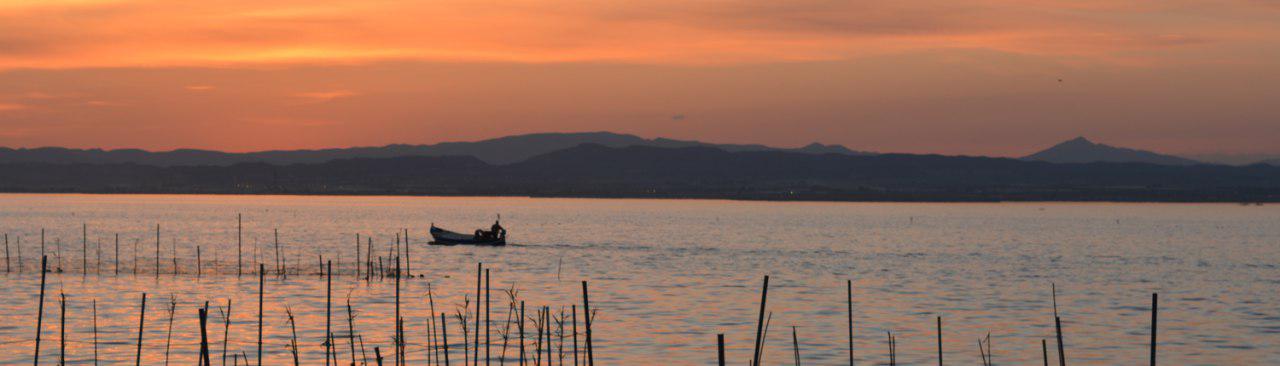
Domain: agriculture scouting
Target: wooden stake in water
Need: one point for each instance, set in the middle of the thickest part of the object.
(486, 305)
(44, 263)
(849, 285)
(719, 349)
(239, 243)
(1155, 310)
(574, 308)
(358, 262)
(95, 332)
(795, 344)
(199, 270)
(262, 282)
(399, 330)
(204, 336)
(62, 330)
(6, 253)
(755, 355)
(476, 350)
(408, 262)
(586, 312)
(142, 317)
(117, 254)
(157, 250)
(226, 331)
(444, 337)
(939, 341)
(1044, 348)
(328, 311)
(84, 249)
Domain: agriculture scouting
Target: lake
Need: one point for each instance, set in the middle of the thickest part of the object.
(666, 276)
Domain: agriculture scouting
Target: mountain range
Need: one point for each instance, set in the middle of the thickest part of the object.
(593, 170)
(502, 150)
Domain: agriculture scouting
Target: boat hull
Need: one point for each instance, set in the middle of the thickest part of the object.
(445, 237)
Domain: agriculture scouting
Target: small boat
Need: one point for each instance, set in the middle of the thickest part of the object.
(497, 236)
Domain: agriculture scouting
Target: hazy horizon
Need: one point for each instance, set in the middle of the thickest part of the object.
(988, 78)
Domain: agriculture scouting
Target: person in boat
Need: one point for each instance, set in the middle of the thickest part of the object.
(497, 231)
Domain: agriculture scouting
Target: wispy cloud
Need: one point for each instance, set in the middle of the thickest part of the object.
(11, 106)
(199, 88)
(139, 33)
(325, 96)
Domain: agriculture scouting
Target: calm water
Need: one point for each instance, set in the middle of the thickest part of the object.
(666, 276)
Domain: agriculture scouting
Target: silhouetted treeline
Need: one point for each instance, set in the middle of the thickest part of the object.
(600, 171)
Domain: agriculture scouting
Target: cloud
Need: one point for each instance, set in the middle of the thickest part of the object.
(325, 96)
(199, 87)
(11, 106)
(246, 33)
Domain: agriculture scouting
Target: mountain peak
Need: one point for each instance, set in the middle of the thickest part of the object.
(1082, 150)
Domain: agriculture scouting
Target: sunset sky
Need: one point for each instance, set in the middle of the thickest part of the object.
(989, 77)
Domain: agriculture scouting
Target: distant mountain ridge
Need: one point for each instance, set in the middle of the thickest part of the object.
(593, 170)
(1081, 150)
(500, 151)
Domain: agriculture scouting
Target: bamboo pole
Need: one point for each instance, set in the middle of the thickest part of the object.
(95, 332)
(226, 331)
(84, 249)
(795, 344)
(849, 285)
(408, 261)
(475, 358)
(1044, 348)
(574, 308)
(157, 250)
(6, 253)
(328, 311)
(117, 254)
(521, 327)
(351, 328)
(239, 244)
(939, 341)
(1155, 309)
(142, 316)
(755, 358)
(487, 343)
(204, 336)
(719, 349)
(62, 330)
(444, 337)
(358, 262)
(262, 281)
(44, 262)
(398, 328)
(586, 312)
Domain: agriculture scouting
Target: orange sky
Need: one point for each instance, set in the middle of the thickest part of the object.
(974, 77)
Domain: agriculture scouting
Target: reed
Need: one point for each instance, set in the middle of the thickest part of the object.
(432, 302)
(173, 307)
(293, 339)
(351, 329)
(44, 263)
(226, 329)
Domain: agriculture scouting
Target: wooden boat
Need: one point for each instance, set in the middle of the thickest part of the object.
(480, 237)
